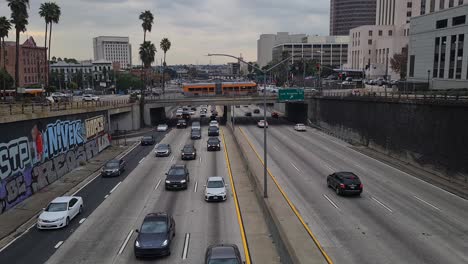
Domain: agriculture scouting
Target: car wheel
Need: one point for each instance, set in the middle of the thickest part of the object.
(67, 221)
(338, 190)
(81, 210)
(328, 184)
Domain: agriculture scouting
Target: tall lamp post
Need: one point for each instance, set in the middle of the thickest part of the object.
(265, 171)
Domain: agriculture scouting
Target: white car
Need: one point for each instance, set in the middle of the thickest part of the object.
(262, 123)
(214, 123)
(191, 112)
(90, 97)
(162, 128)
(60, 212)
(300, 127)
(215, 189)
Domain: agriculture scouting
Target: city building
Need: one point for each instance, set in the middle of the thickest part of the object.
(32, 62)
(431, 6)
(114, 49)
(438, 49)
(233, 68)
(266, 42)
(348, 14)
(100, 71)
(327, 50)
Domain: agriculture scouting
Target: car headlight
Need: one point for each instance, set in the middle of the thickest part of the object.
(165, 243)
(217, 145)
(168, 181)
(182, 181)
(193, 153)
(137, 244)
(115, 170)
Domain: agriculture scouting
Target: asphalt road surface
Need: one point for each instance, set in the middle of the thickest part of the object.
(397, 219)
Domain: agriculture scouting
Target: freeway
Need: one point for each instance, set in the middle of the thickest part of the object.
(107, 235)
(397, 219)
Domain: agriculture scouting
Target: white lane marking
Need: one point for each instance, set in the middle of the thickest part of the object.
(196, 185)
(383, 205)
(332, 203)
(157, 185)
(141, 160)
(359, 166)
(172, 159)
(115, 187)
(82, 220)
(421, 200)
(106, 196)
(295, 166)
(276, 148)
(58, 244)
(200, 159)
(16, 238)
(186, 245)
(125, 242)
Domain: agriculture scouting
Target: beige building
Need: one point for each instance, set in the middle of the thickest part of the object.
(266, 42)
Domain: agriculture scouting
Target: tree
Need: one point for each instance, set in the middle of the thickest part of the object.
(147, 53)
(165, 46)
(45, 11)
(128, 81)
(399, 61)
(5, 26)
(147, 19)
(55, 17)
(19, 18)
(6, 81)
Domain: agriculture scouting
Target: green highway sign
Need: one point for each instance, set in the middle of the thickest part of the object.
(287, 95)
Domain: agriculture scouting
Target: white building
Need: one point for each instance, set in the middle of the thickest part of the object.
(438, 48)
(326, 50)
(114, 49)
(100, 70)
(266, 42)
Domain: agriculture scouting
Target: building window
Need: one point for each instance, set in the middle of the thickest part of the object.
(459, 20)
(370, 52)
(460, 2)
(441, 4)
(453, 45)
(450, 3)
(432, 6)
(369, 41)
(409, 4)
(370, 33)
(443, 47)
(423, 7)
(408, 14)
(390, 33)
(441, 23)
(436, 57)
(461, 41)
(411, 66)
(380, 32)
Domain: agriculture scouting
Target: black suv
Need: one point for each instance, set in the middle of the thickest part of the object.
(345, 182)
(195, 134)
(223, 253)
(177, 177)
(189, 152)
(213, 131)
(213, 143)
(147, 140)
(181, 123)
(155, 236)
(113, 167)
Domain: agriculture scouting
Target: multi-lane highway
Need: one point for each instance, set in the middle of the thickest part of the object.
(397, 219)
(107, 236)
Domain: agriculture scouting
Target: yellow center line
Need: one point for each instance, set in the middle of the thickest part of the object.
(236, 202)
(317, 243)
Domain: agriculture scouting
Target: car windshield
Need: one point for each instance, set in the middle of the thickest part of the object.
(188, 149)
(112, 165)
(213, 141)
(215, 184)
(213, 128)
(162, 125)
(153, 227)
(56, 207)
(162, 147)
(223, 261)
(147, 138)
(176, 172)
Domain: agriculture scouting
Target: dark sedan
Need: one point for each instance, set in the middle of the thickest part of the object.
(147, 141)
(163, 150)
(113, 168)
(181, 123)
(195, 134)
(248, 114)
(345, 183)
(223, 253)
(213, 143)
(177, 177)
(155, 236)
(189, 152)
(213, 131)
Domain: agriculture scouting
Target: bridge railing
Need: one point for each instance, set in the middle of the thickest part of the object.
(419, 96)
(15, 108)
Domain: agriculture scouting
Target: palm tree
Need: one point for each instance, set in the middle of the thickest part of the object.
(19, 18)
(45, 11)
(147, 53)
(5, 27)
(165, 46)
(148, 20)
(55, 17)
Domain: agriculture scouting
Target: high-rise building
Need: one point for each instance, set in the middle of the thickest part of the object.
(348, 14)
(431, 6)
(266, 42)
(114, 49)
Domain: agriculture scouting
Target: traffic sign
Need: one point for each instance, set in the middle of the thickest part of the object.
(287, 95)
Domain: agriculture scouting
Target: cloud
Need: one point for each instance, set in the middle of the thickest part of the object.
(195, 27)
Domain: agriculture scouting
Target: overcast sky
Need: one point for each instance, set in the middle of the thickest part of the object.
(195, 27)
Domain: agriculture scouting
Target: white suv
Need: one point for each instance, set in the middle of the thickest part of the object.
(215, 189)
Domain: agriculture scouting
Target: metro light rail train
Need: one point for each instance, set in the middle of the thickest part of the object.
(219, 88)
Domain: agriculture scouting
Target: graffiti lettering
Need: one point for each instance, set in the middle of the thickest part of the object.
(62, 136)
(94, 126)
(15, 188)
(14, 156)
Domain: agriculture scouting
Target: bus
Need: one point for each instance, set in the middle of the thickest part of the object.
(219, 88)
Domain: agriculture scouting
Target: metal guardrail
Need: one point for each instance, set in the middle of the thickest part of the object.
(15, 108)
(424, 96)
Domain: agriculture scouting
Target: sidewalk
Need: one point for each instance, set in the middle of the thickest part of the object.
(20, 218)
(259, 239)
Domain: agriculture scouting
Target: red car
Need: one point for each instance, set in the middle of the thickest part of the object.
(275, 115)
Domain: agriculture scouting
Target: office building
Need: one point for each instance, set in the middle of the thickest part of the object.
(438, 49)
(114, 49)
(266, 42)
(331, 51)
(348, 14)
(32, 62)
(93, 73)
(431, 6)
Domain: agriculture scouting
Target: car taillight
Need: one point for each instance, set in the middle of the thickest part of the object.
(361, 186)
(342, 186)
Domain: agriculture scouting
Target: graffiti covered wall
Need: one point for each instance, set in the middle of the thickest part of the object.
(35, 153)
